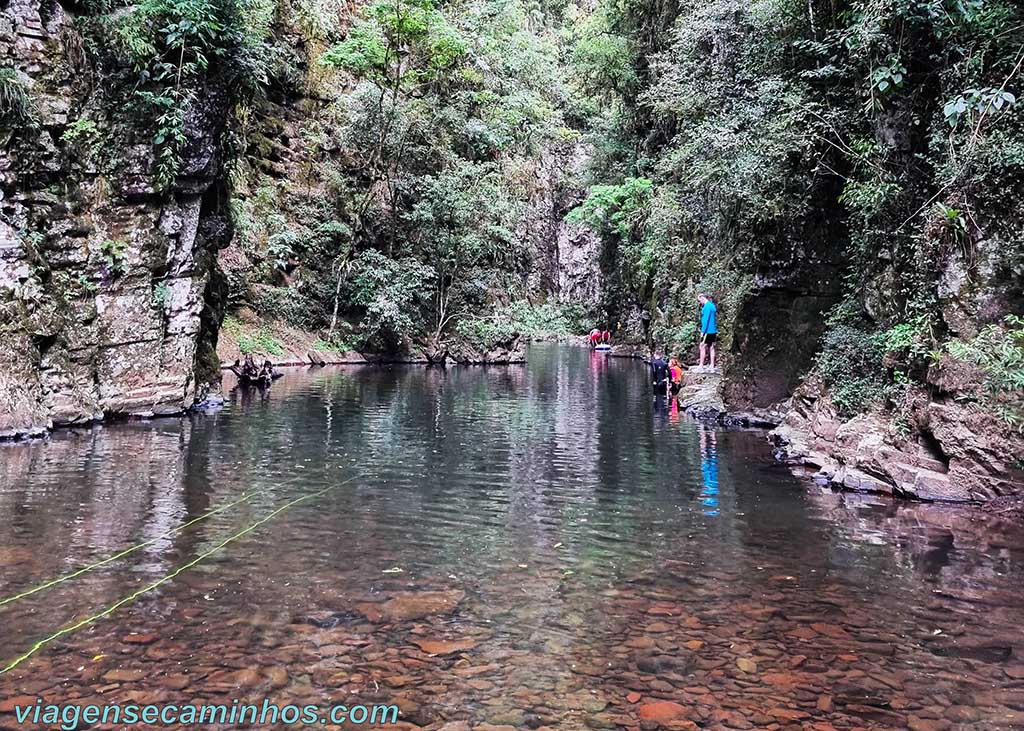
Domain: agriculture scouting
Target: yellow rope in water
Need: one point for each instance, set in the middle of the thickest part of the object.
(122, 554)
(181, 569)
(132, 549)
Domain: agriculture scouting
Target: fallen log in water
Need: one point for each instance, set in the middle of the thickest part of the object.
(251, 374)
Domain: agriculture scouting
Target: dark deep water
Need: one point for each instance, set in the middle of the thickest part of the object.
(595, 556)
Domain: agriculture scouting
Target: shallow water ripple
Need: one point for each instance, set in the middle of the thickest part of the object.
(527, 547)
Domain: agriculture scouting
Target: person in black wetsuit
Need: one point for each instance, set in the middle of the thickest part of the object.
(659, 374)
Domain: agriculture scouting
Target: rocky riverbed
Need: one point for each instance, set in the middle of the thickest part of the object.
(519, 552)
(673, 652)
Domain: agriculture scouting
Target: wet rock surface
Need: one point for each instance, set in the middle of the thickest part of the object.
(955, 452)
(701, 395)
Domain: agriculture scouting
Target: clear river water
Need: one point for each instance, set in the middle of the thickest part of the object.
(520, 547)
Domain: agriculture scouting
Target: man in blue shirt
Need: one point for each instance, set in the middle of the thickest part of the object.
(708, 330)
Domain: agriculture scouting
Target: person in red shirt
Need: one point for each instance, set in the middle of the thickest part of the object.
(595, 337)
(675, 375)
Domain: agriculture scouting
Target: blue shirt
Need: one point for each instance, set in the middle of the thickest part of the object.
(709, 318)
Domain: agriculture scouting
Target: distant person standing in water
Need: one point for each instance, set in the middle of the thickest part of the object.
(659, 374)
(708, 330)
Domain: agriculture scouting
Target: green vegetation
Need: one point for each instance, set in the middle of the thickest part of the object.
(521, 318)
(161, 293)
(384, 162)
(390, 292)
(80, 131)
(159, 56)
(851, 363)
(885, 138)
(15, 103)
(547, 319)
(337, 344)
(402, 219)
(487, 333)
(113, 252)
(999, 352)
(252, 339)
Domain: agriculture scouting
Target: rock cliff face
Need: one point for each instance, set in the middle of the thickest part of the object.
(107, 286)
(779, 325)
(935, 441)
(953, 451)
(932, 442)
(565, 256)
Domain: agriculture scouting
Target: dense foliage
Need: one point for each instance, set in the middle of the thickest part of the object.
(760, 138)
(15, 104)
(150, 66)
(403, 222)
(999, 353)
(384, 158)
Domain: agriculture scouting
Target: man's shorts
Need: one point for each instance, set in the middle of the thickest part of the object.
(709, 338)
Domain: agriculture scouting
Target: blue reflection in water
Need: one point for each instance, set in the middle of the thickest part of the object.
(709, 471)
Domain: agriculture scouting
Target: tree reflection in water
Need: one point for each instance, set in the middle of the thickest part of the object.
(598, 541)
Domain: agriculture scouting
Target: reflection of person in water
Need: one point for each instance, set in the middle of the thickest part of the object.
(598, 364)
(709, 470)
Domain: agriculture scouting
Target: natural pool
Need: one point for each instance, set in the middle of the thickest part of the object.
(521, 546)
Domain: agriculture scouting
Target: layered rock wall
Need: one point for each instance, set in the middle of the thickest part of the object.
(952, 451)
(106, 283)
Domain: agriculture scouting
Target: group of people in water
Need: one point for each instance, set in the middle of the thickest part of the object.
(667, 376)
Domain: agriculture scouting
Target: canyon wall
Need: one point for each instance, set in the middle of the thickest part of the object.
(564, 256)
(113, 288)
(108, 286)
(955, 436)
(779, 324)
